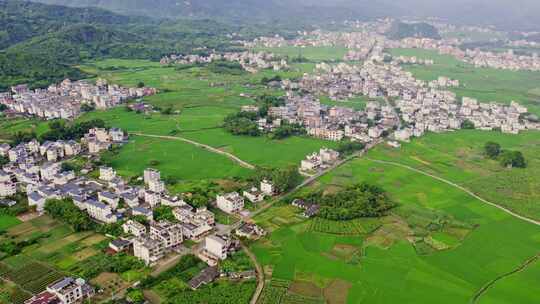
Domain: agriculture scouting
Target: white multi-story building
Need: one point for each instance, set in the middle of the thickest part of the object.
(267, 187)
(152, 198)
(169, 234)
(151, 175)
(134, 228)
(107, 174)
(100, 212)
(254, 195)
(148, 250)
(110, 198)
(328, 156)
(70, 290)
(37, 200)
(217, 246)
(156, 186)
(49, 170)
(7, 189)
(230, 202)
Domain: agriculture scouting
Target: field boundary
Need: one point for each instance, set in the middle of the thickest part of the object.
(200, 145)
(504, 209)
(486, 287)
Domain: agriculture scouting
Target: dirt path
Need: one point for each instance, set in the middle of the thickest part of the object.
(203, 146)
(476, 297)
(532, 221)
(260, 274)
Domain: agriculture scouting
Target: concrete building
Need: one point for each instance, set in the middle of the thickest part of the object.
(230, 202)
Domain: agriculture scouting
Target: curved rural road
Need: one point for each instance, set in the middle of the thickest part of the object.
(203, 146)
(532, 221)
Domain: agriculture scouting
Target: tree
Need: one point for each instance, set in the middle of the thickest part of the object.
(360, 200)
(349, 147)
(467, 124)
(284, 179)
(492, 150)
(140, 84)
(512, 159)
(242, 123)
(164, 213)
(88, 107)
(66, 211)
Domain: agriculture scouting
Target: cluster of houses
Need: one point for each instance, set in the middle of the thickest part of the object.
(498, 60)
(64, 100)
(68, 290)
(250, 61)
(319, 161)
(418, 106)
(162, 237)
(413, 60)
(233, 202)
(36, 169)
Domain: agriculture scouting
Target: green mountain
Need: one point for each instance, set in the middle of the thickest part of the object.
(506, 14)
(43, 42)
(400, 30)
(20, 21)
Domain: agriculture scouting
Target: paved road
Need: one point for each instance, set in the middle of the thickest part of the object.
(532, 221)
(200, 145)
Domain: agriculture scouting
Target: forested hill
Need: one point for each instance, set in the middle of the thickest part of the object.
(245, 11)
(505, 14)
(400, 30)
(40, 43)
(20, 20)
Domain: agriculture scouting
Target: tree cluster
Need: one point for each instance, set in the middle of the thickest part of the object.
(507, 158)
(225, 67)
(349, 147)
(59, 130)
(360, 200)
(242, 123)
(287, 130)
(284, 179)
(66, 211)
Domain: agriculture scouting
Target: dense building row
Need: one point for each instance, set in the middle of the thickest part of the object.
(64, 100)
(250, 61)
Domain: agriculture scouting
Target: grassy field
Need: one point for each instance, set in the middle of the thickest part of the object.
(387, 266)
(459, 157)
(202, 107)
(7, 222)
(173, 158)
(8, 127)
(486, 84)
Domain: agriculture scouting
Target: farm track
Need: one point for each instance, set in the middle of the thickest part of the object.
(504, 209)
(200, 145)
(476, 297)
(260, 275)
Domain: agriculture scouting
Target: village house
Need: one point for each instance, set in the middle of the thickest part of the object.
(107, 174)
(267, 187)
(134, 228)
(230, 202)
(70, 290)
(254, 195)
(216, 248)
